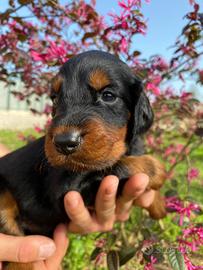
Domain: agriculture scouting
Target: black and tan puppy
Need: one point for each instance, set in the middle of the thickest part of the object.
(99, 112)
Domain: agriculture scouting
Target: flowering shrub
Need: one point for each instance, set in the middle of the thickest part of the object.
(38, 37)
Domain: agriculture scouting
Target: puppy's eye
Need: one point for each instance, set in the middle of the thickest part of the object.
(108, 96)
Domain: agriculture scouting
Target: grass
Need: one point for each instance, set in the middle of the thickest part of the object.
(12, 138)
(81, 247)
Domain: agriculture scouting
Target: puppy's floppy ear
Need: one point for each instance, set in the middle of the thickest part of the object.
(141, 115)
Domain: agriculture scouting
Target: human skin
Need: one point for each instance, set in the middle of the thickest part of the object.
(3, 150)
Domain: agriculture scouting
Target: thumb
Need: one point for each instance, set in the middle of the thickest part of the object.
(25, 249)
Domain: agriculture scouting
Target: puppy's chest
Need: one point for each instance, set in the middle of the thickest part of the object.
(42, 208)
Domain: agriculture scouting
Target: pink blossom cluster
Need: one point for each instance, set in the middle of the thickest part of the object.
(126, 24)
(191, 238)
(154, 70)
(172, 151)
(183, 208)
(150, 265)
(190, 265)
(55, 52)
(192, 174)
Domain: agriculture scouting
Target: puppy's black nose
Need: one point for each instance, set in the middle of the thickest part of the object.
(67, 143)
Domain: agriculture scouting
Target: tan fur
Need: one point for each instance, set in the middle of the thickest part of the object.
(102, 146)
(8, 213)
(98, 79)
(56, 83)
(157, 209)
(157, 175)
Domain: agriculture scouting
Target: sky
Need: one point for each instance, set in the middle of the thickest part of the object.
(164, 20)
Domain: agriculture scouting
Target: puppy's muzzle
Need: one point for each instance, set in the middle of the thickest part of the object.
(69, 142)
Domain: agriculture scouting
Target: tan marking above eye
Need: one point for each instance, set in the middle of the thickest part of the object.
(98, 79)
(56, 83)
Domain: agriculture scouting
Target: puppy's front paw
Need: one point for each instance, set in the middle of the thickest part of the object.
(157, 209)
(148, 165)
(157, 175)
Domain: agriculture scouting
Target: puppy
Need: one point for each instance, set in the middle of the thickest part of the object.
(99, 112)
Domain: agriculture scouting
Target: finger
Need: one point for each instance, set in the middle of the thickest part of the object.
(3, 151)
(133, 188)
(81, 220)
(106, 199)
(61, 242)
(25, 249)
(146, 199)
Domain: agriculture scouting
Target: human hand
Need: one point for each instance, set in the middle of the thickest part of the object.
(46, 253)
(108, 209)
(3, 150)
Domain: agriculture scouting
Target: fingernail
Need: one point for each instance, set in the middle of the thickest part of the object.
(46, 250)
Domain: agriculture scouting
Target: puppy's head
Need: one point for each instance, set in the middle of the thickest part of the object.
(99, 108)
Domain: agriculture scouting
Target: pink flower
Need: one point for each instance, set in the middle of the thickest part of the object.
(150, 140)
(192, 174)
(187, 49)
(160, 64)
(190, 265)
(185, 96)
(183, 210)
(124, 45)
(124, 25)
(152, 87)
(38, 56)
(150, 265)
(179, 148)
(192, 2)
(169, 150)
(172, 160)
(38, 129)
(57, 51)
(191, 238)
(128, 5)
(99, 258)
(156, 79)
(201, 76)
(100, 243)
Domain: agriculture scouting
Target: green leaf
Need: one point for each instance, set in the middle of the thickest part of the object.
(176, 259)
(146, 233)
(95, 253)
(22, 37)
(126, 254)
(89, 35)
(136, 53)
(112, 239)
(171, 193)
(112, 260)
(174, 183)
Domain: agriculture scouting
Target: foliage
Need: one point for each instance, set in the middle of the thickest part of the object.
(38, 36)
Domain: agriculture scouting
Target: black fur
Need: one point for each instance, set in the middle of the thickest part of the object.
(38, 187)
